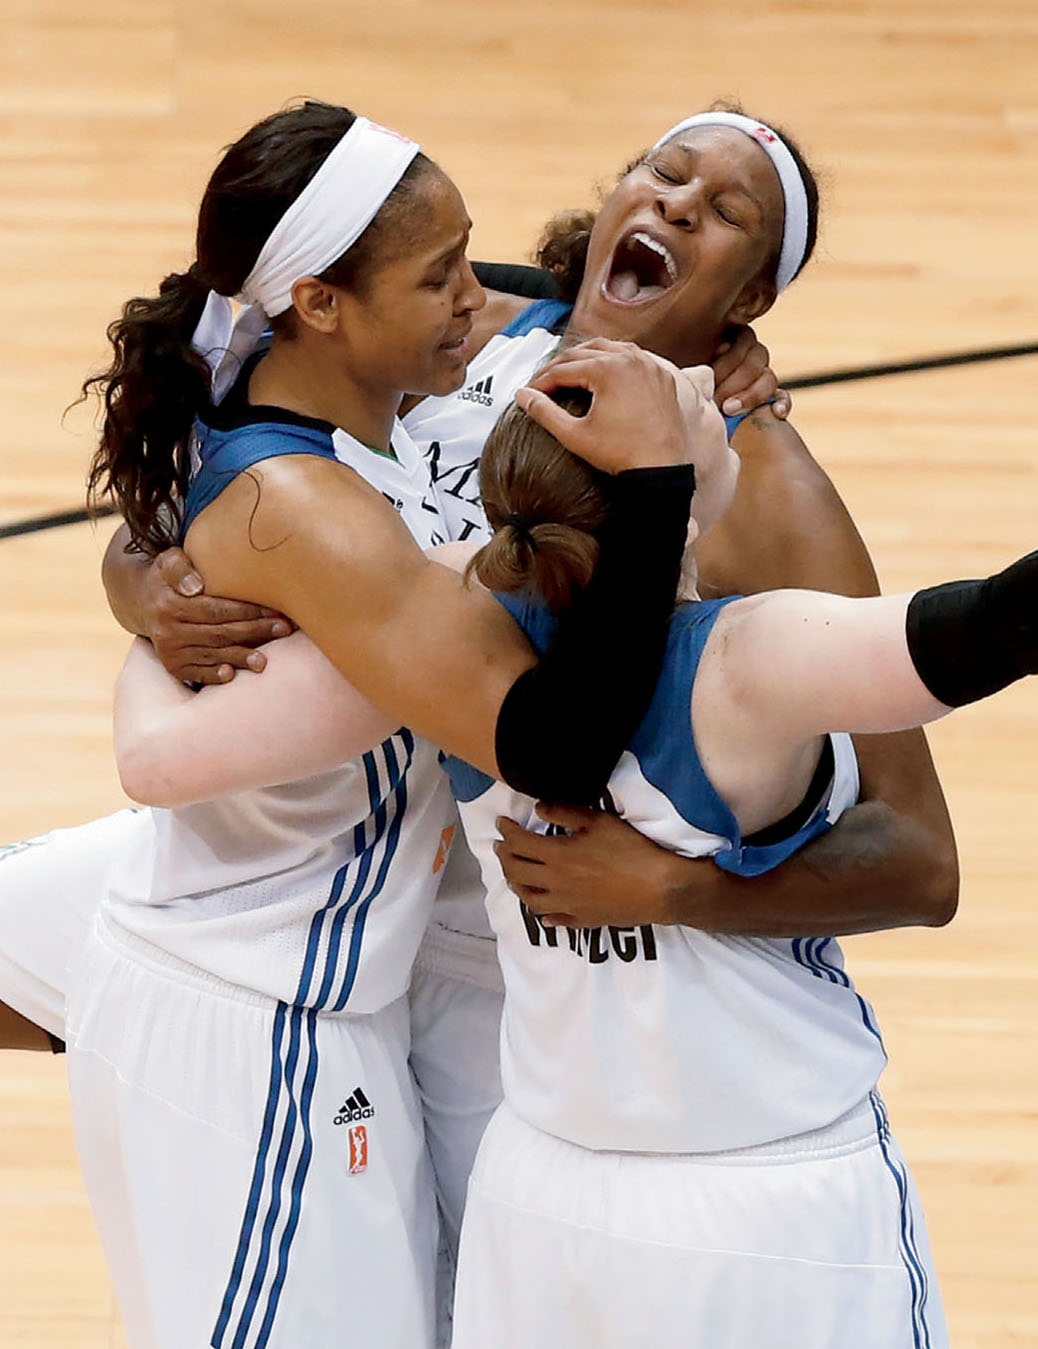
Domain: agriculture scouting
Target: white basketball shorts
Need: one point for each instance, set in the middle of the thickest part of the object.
(456, 1000)
(817, 1243)
(50, 889)
(257, 1171)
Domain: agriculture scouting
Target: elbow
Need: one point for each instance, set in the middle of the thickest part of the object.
(136, 787)
(139, 779)
(940, 894)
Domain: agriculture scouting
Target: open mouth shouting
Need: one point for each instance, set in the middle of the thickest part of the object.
(642, 268)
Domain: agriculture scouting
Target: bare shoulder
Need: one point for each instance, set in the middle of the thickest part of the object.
(456, 556)
(287, 506)
(770, 448)
(498, 312)
(787, 525)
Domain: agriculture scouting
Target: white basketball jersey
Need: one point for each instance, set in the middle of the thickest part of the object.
(667, 1039)
(315, 892)
(450, 432)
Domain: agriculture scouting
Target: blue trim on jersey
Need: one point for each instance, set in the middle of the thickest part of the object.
(258, 1176)
(663, 744)
(225, 454)
(808, 953)
(540, 314)
(466, 782)
(398, 784)
(364, 853)
(281, 1188)
(907, 1248)
(298, 1181)
(277, 1178)
(730, 423)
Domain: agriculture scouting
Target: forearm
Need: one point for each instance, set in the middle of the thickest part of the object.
(370, 613)
(147, 704)
(174, 747)
(889, 862)
(872, 876)
(562, 727)
(123, 575)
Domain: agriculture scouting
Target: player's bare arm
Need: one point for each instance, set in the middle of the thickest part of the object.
(890, 861)
(199, 638)
(402, 629)
(174, 747)
(309, 538)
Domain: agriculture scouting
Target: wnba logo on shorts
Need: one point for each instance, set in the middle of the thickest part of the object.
(358, 1140)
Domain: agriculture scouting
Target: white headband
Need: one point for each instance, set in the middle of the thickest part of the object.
(327, 218)
(794, 230)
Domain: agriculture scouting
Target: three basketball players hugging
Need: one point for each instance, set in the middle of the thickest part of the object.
(238, 922)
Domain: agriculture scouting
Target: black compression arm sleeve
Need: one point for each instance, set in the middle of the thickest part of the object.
(968, 639)
(564, 724)
(514, 278)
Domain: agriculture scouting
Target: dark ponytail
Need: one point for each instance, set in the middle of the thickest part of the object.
(150, 393)
(156, 384)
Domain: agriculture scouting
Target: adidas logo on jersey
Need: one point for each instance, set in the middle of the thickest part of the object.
(355, 1108)
(479, 392)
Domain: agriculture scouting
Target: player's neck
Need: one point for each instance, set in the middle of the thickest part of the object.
(302, 382)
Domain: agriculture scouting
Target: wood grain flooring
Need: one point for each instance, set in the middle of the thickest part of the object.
(923, 115)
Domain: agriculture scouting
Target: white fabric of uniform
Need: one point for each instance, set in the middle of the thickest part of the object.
(50, 890)
(456, 993)
(450, 433)
(691, 1148)
(793, 1246)
(238, 885)
(603, 1036)
(455, 1060)
(171, 1077)
(244, 979)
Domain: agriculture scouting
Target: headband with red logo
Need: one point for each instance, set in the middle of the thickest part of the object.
(794, 229)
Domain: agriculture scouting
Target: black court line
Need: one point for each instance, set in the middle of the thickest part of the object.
(910, 367)
(38, 522)
(75, 517)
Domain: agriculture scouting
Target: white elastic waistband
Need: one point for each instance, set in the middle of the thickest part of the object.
(460, 955)
(129, 945)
